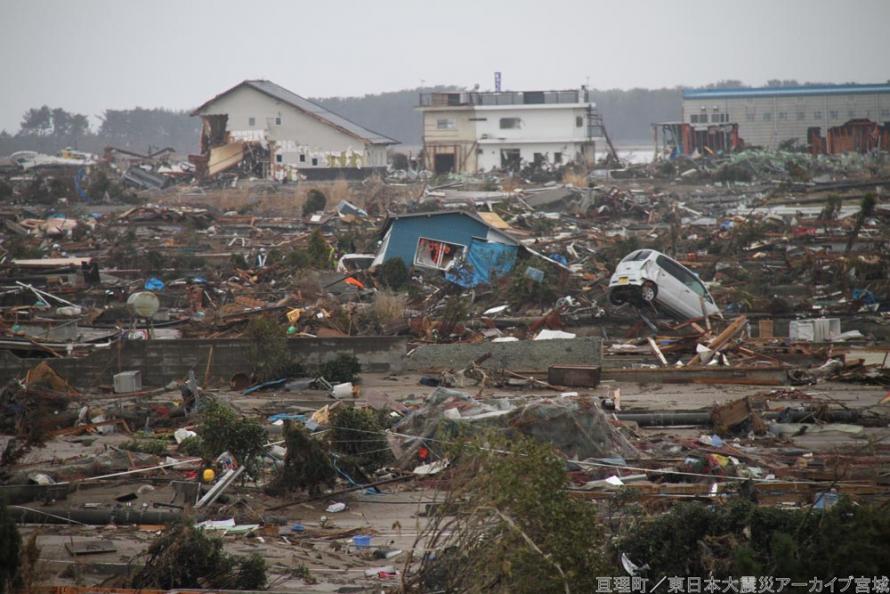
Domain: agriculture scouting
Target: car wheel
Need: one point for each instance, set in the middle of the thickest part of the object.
(648, 292)
(615, 299)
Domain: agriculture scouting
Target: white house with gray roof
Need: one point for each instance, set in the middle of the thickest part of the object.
(293, 135)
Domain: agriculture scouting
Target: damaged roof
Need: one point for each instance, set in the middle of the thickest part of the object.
(306, 106)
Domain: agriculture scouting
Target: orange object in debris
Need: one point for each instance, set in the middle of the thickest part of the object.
(354, 282)
(208, 475)
(423, 453)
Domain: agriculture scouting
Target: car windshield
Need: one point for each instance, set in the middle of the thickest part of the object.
(637, 256)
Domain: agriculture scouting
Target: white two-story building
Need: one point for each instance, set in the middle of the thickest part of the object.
(470, 132)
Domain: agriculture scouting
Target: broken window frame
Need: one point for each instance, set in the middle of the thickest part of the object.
(441, 247)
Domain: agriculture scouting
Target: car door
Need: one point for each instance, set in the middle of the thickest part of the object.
(681, 299)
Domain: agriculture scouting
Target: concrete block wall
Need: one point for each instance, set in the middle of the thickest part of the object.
(525, 355)
(163, 361)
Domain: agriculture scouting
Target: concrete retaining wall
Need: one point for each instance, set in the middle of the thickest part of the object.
(525, 355)
(162, 361)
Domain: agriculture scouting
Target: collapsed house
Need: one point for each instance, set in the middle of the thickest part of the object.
(460, 242)
(265, 130)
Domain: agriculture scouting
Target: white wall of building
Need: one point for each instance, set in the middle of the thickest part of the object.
(254, 115)
(547, 129)
(768, 121)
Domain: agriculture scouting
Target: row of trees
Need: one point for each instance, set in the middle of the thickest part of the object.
(49, 129)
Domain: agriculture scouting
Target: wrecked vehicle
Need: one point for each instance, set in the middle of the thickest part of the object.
(648, 276)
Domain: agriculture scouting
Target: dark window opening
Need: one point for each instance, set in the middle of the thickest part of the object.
(510, 123)
(251, 122)
(443, 163)
(302, 158)
(511, 160)
(279, 158)
(278, 121)
(314, 161)
(557, 157)
(579, 121)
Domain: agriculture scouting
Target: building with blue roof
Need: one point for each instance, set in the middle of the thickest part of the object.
(768, 116)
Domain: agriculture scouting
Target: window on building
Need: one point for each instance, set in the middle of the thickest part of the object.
(767, 116)
(579, 121)
(251, 121)
(817, 115)
(278, 120)
(749, 116)
(885, 113)
(302, 157)
(703, 118)
(783, 115)
(557, 157)
(279, 158)
(538, 159)
(445, 124)
(693, 118)
(314, 161)
(801, 116)
(833, 114)
(436, 254)
(510, 123)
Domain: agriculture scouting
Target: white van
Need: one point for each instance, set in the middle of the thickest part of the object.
(648, 276)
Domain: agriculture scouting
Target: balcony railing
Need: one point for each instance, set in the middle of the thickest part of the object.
(459, 98)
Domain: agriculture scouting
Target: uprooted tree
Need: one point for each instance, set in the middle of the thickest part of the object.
(509, 525)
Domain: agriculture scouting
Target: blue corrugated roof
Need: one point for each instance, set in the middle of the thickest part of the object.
(784, 91)
(314, 109)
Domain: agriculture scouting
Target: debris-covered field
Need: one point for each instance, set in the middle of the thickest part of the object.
(511, 383)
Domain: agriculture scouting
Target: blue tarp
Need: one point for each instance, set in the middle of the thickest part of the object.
(484, 260)
(154, 284)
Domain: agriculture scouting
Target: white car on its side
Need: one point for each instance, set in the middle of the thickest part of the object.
(648, 276)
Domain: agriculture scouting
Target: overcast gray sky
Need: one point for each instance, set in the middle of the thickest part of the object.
(87, 55)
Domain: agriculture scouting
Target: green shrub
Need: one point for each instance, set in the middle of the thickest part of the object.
(184, 556)
(345, 368)
(268, 354)
(222, 430)
(508, 522)
(357, 435)
(394, 274)
(307, 463)
(315, 201)
(10, 551)
(156, 447)
(741, 538)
